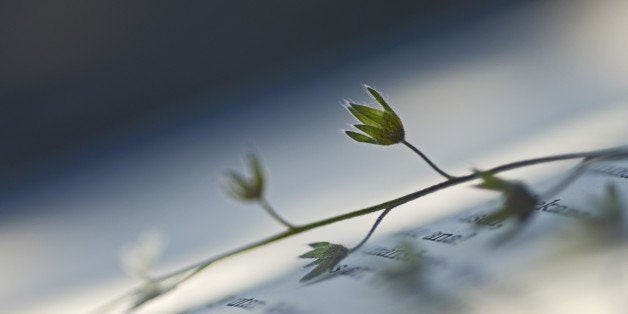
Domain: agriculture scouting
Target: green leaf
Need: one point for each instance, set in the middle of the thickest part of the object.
(381, 119)
(374, 115)
(519, 202)
(360, 137)
(326, 255)
(237, 179)
(317, 245)
(491, 182)
(256, 170)
(362, 118)
(393, 123)
(378, 97)
(313, 254)
(378, 134)
(237, 185)
(610, 222)
(319, 250)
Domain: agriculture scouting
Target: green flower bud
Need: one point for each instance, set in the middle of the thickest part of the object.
(380, 127)
(247, 189)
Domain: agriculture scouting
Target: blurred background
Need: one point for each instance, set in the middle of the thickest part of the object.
(118, 117)
(75, 72)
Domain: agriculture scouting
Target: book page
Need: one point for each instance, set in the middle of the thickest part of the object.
(465, 262)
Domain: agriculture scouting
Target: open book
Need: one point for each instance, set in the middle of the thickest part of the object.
(559, 261)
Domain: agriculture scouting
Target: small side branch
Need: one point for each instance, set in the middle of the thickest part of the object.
(578, 171)
(269, 209)
(427, 160)
(368, 235)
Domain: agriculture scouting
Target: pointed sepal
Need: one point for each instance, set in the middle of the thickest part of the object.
(327, 256)
(381, 127)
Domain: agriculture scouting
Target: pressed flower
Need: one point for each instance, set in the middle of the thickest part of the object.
(137, 261)
(327, 256)
(383, 127)
(380, 127)
(252, 189)
(247, 189)
(139, 258)
(519, 202)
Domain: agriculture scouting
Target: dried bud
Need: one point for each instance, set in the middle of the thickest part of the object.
(247, 189)
(381, 127)
(138, 259)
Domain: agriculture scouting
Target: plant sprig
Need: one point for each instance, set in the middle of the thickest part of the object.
(190, 271)
(252, 190)
(519, 202)
(381, 128)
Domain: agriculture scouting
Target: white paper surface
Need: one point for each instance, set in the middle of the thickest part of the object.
(461, 265)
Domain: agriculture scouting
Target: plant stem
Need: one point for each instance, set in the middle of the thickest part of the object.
(194, 269)
(395, 202)
(269, 209)
(429, 162)
(368, 235)
(564, 183)
(577, 172)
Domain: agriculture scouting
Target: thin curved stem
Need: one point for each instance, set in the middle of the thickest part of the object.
(564, 183)
(370, 233)
(386, 206)
(427, 160)
(575, 174)
(269, 209)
